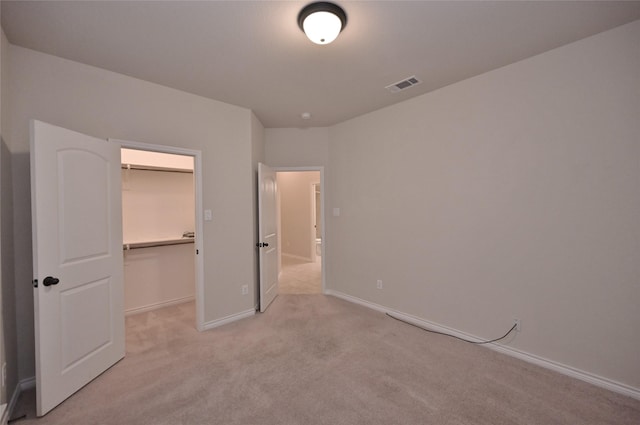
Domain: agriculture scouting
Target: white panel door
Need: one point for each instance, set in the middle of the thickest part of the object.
(268, 233)
(77, 260)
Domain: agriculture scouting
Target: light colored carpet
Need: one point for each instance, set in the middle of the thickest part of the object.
(315, 359)
(300, 277)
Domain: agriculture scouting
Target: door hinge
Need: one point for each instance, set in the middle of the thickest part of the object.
(34, 282)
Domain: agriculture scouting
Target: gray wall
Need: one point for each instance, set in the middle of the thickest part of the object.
(513, 193)
(297, 147)
(510, 194)
(105, 104)
(7, 275)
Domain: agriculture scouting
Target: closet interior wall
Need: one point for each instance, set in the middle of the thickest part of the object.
(158, 218)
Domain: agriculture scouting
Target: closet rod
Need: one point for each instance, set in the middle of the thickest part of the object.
(153, 168)
(138, 245)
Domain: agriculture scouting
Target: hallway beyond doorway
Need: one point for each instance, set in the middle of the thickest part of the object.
(300, 277)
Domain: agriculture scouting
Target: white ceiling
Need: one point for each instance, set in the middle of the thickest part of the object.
(252, 53)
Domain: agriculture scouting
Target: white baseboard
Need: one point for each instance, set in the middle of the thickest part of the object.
(27, 384)
(229, 319)
(591, 378)
(155, 306)
(13, 401)
(4, 417)
(297, 257)
(23, 385)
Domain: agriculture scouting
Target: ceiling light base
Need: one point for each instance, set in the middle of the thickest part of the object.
(322, 21)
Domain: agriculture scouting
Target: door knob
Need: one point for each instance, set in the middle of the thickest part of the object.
(48, 281)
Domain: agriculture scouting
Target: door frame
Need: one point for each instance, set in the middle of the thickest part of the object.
(323, 266)
(199, 219)
(314, 220)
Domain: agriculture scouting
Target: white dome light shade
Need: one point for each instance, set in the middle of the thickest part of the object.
(322, 21)
(322, 27)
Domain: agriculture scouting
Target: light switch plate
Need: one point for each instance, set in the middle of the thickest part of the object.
(207, 215)
(336, 212)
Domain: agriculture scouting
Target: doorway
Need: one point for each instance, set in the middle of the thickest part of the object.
(300, 221)
(78, 257)
(162, 228)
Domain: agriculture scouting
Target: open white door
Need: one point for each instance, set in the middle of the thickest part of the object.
(268, 232)
(77, 260)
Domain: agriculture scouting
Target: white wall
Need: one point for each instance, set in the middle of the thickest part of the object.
(105, 104)
(158, 276)
(296, 212)
(297, 147)
(156, 205)
(513, 193)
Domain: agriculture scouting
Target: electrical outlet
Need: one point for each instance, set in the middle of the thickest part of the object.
(4, 375)
(245, 289)
(516, 323)
(379, 284)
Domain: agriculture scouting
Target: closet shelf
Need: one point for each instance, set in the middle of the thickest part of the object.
(151, 244)
(153, 168)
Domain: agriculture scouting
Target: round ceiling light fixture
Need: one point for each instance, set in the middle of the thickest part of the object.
(322, 21)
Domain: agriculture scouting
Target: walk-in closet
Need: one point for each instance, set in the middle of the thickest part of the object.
(158, 221)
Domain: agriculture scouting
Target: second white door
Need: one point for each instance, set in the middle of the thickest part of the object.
(268, 235)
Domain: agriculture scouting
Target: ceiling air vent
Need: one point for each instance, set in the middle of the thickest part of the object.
(402, 85)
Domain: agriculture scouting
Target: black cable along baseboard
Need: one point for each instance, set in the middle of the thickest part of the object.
(453, 336)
